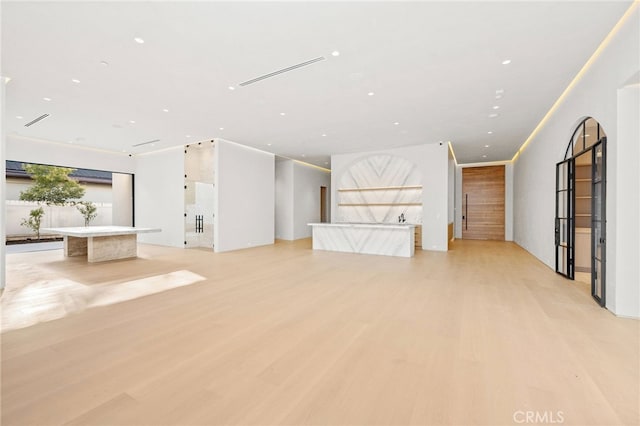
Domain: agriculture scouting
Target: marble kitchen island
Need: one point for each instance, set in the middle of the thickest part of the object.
(365, 238)
(100, 243)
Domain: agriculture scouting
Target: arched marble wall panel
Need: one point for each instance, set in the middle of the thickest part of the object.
(378, 189)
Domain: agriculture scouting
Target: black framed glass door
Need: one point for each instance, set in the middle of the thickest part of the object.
(598, 221)
(564, 225)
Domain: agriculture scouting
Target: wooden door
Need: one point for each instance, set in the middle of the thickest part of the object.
(483, 203)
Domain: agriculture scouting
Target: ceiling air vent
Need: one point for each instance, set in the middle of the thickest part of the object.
(35, 120)
(282, 71)
(146, 143)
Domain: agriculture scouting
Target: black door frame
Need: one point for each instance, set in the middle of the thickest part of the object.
(596, 240)
(602, 219)
(565, 264)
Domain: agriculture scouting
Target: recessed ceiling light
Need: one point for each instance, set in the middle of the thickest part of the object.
(132, 122)
(221, 128)
(499, 91)
(506, 62)
(268, 144)
(19, 117)
(490, 132)
(139, 40)
(75, 80)
(46, 99)
(104, 63)
(231, 88)
(486, 146)
(187, 136)
(494, 115)
(498, 96)
(165, 110)
(484, 156)
(496, 107)
(324, 134)
(335, 53)
(396, 124)
(283, 113)
(370, 93)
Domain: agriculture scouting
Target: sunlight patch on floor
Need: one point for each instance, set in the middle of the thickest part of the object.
(47, 300)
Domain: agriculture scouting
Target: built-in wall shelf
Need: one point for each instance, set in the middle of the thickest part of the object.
(583, 196)
(380, 188)
(377, 204)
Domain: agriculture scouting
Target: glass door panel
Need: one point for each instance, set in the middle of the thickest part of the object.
(199, 195)
(598, 222)
(564, 226)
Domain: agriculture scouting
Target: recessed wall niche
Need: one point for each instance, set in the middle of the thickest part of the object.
(380, 189)
(199, 195)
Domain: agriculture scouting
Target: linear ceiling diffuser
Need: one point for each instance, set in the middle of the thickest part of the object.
(282, 71)
(35, 120)
(146, 143)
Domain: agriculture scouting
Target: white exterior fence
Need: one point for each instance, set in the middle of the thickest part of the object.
(54, 216)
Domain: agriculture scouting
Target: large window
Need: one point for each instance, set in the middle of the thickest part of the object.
(109, 194)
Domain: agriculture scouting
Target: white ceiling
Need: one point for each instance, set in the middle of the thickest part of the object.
(434, 68)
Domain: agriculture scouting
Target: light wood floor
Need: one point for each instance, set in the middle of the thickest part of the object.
(285, 335)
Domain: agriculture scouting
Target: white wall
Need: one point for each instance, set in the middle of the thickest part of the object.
(3, 157)
(596, 95)
(508, 202)
(626, 292)
(122, 196)
(57, 154)
(307, 181)
(284, 199)
(431, 160)
(159, 196)
(457, 228)
(508, 197)
(245, 193)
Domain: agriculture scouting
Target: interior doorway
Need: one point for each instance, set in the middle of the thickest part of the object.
(580, 224)
(483, 203)
(323, 204)
(199, 195)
